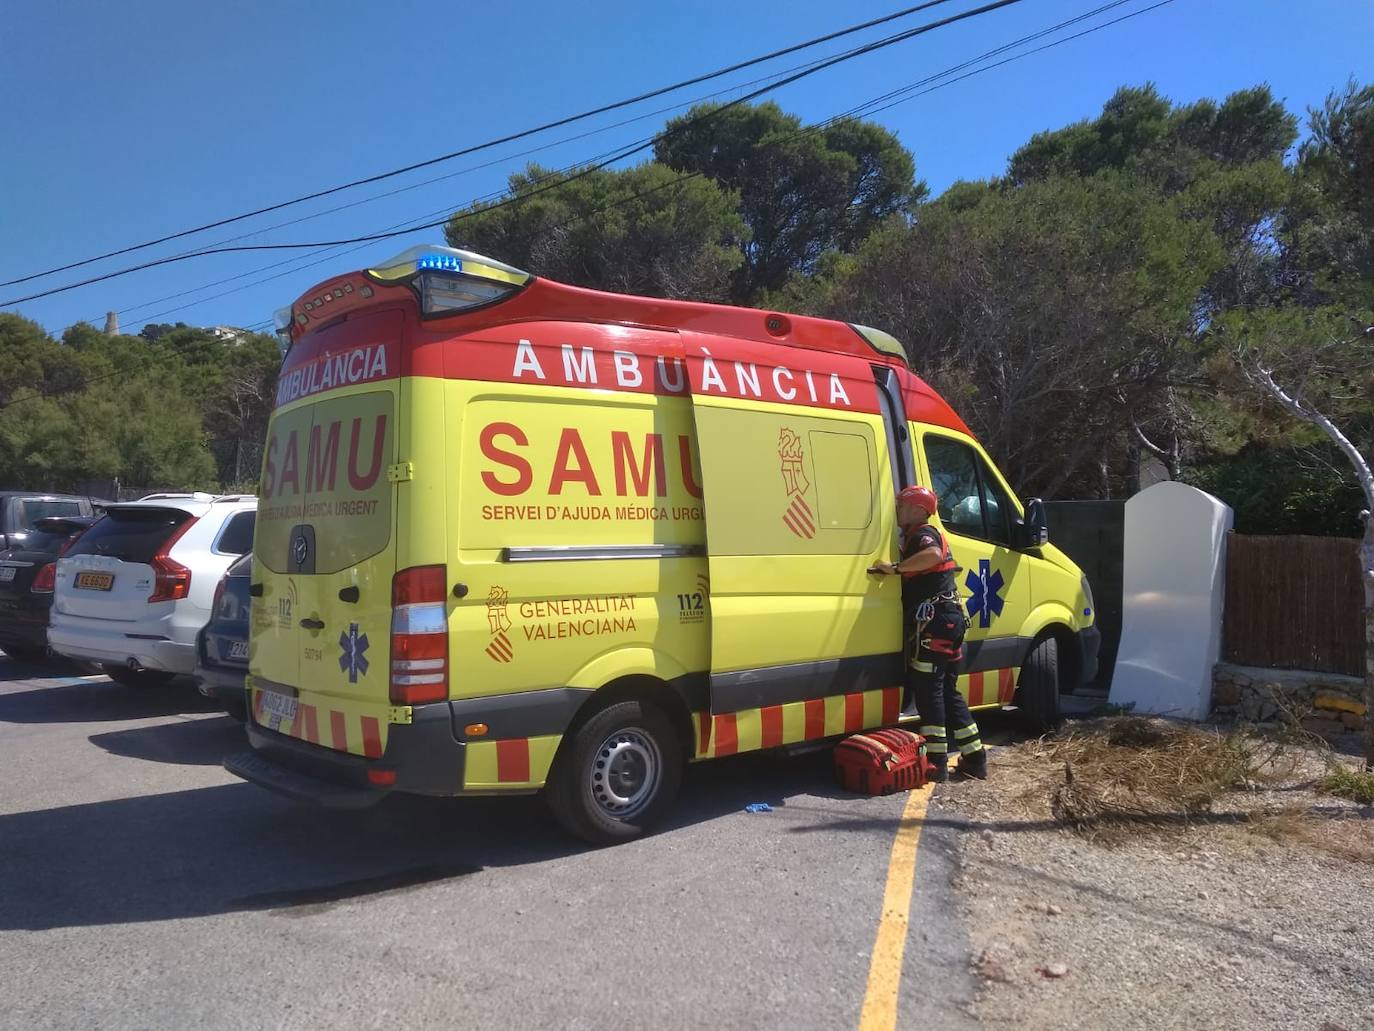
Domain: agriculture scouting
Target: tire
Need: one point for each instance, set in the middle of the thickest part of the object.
(1037, 691)
(617, 774)
(127, 677)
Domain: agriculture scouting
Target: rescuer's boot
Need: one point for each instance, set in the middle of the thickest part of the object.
(973, 766)
(938, 773)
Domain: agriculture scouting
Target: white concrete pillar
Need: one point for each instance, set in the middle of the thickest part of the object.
(1174, 589)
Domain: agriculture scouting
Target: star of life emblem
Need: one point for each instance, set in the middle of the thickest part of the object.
(352, 653)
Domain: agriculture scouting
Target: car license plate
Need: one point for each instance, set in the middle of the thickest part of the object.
(95, 581)
(6, 573)
(278, 707)
(239, 650)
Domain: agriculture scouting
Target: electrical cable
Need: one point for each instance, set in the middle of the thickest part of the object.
(867, 107)
(586, 171)
(807, 130)
(558, 123)
(442, 178)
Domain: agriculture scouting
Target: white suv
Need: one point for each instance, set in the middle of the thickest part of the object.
(135, 589)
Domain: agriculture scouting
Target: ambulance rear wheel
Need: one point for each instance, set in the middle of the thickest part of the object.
(618, 774)
(1037, 692)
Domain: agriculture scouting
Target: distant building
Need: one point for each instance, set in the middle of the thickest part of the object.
(112, 324)
(229, 334)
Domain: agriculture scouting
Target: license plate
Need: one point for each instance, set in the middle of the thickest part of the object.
(95, 581)
(239, 650)
(6, 573)
(278, 707)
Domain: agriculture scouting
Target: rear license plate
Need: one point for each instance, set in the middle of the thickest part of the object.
(95, 581)
(6, 573)
(239, 650)
(278, 707)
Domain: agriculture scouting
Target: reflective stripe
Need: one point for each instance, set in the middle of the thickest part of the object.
(969, 747)
(931, 730)
(964, 733)
(922, 667)
(936, 748)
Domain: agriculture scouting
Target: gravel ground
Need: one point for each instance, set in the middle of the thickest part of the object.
(1218, 924)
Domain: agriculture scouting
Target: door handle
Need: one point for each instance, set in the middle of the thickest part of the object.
(313, 624)
(460, 590)
(255, 590)
(349, 594)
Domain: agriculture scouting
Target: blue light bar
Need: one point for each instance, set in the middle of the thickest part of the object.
(440, 262)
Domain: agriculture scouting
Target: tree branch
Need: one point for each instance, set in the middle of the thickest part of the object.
(1362, 471)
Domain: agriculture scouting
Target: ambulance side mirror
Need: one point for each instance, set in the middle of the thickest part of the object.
(1035, 531)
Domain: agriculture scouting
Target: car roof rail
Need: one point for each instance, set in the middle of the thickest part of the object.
(235, 497)
(198, 495)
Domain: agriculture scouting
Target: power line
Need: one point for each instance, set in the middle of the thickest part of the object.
(867, 107)
(693, 175)
(558, 123)
(582, 173)
(987, 68)
(438, 179)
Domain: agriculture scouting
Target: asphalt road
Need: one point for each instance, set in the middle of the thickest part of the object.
(141, 886)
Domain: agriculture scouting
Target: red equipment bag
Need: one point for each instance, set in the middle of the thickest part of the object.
(882, 761)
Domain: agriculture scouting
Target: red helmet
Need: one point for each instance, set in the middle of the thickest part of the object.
(922, 497)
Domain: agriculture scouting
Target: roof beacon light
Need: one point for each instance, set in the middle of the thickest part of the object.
(450, 280)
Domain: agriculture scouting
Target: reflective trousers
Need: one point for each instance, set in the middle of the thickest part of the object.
(932, 682)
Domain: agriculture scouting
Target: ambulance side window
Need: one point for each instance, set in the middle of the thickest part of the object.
(997, 507)
(972, 503)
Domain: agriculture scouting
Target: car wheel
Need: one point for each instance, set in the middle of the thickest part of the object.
(1037, 691)
(137, 677)
(617, 774)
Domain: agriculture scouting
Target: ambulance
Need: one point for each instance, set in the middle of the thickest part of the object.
(516, 536)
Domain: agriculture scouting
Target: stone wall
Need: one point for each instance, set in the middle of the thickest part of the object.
(1325, 703)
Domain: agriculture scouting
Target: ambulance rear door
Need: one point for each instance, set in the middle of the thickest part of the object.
(325, 550)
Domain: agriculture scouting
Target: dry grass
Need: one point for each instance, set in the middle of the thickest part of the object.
(1340, 836)
(1344, 782)
(1133, 770)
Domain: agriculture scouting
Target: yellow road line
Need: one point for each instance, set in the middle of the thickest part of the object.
(879, 1012)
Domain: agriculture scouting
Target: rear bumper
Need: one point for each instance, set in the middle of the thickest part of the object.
(24, 621)
(217, 680)
(33, 636)
(221, 682)
(98, 644)
(1089, 644)
(425, 756)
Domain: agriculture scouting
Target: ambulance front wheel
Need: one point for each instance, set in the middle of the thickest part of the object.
(617, 774)
(1037, 695)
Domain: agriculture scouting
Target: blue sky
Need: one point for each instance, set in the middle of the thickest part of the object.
(123, 122)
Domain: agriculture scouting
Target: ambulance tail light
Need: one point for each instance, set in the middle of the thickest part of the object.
(419, 635)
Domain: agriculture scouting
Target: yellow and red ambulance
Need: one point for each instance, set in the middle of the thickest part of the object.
(516, 536)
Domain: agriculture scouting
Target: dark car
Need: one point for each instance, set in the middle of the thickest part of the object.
(222, 644)
(19, 510)
(26, 583)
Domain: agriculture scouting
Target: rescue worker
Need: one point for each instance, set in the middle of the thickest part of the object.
(934, 624)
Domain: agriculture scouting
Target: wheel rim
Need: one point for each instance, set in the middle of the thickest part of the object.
(625, 773)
